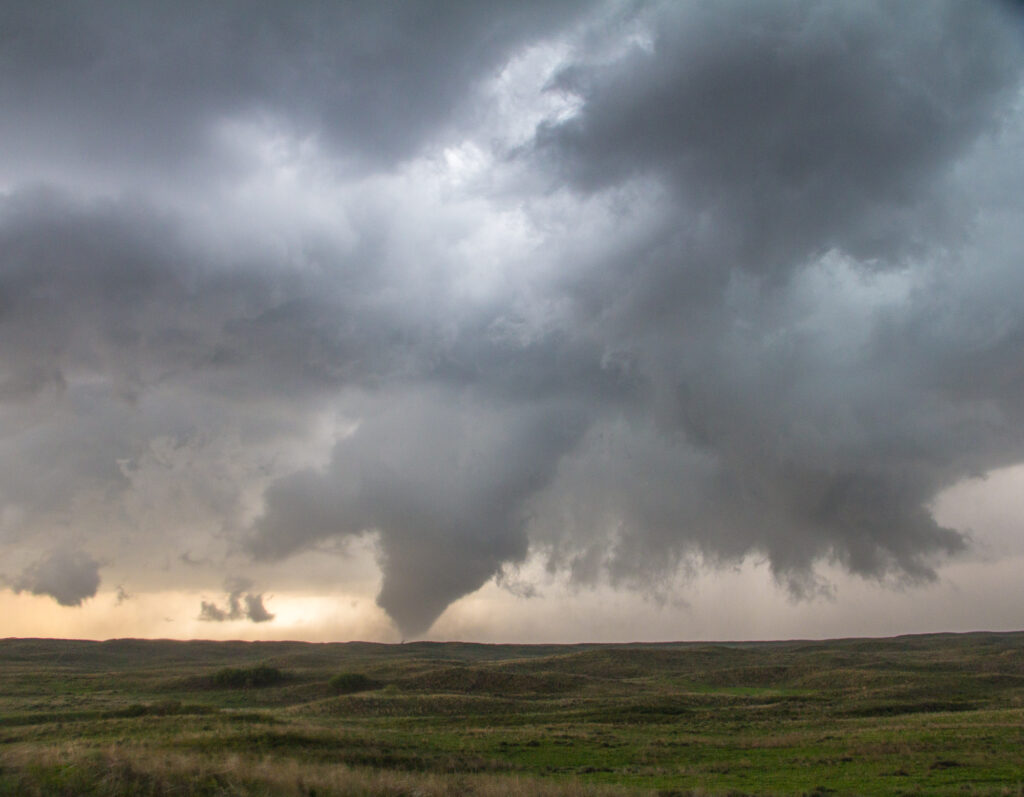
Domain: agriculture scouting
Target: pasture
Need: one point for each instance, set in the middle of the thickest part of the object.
(938, 714)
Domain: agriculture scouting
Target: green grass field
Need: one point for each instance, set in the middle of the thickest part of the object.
(940, 714)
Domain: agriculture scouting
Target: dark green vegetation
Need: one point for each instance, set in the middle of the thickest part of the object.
(349, 683)
(940, 714)
(247, 677)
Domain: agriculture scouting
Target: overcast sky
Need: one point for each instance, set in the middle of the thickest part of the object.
(511, 321)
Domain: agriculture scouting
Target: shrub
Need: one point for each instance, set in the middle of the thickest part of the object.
(247, 677)
(347, 683)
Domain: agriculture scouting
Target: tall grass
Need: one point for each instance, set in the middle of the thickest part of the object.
(116, 771)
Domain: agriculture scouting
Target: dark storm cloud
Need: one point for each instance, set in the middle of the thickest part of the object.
(806, 149)
(793, 128)
(119, 289)
(766, 302)
(443, 477)
(113, 300)
(118, 297)
(148, 83)
(68, 576)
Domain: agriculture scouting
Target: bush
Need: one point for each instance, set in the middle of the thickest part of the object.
(347, 683)
(247, 677)
(163, 708)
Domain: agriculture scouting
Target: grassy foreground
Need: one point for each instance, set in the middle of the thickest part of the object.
(940, 714)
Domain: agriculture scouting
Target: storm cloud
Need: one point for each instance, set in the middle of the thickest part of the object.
(69, 577)
(240, 605)
(631, 288)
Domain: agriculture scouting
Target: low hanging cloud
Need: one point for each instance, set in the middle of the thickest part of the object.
(443, 477)
(634, 288)
(68, 576)
(815, 220)
(240, 605)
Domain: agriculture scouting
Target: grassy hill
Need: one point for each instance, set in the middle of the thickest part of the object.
(935, 714)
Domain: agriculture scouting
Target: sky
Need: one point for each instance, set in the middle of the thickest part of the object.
(511, 322)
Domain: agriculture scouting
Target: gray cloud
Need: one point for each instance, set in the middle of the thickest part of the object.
(255, 610)
(240, 605)
(152, 90)
(443, 478)
(750, 289)
(791, 129)
(806, 150)
(119, 289)
(67, 576)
